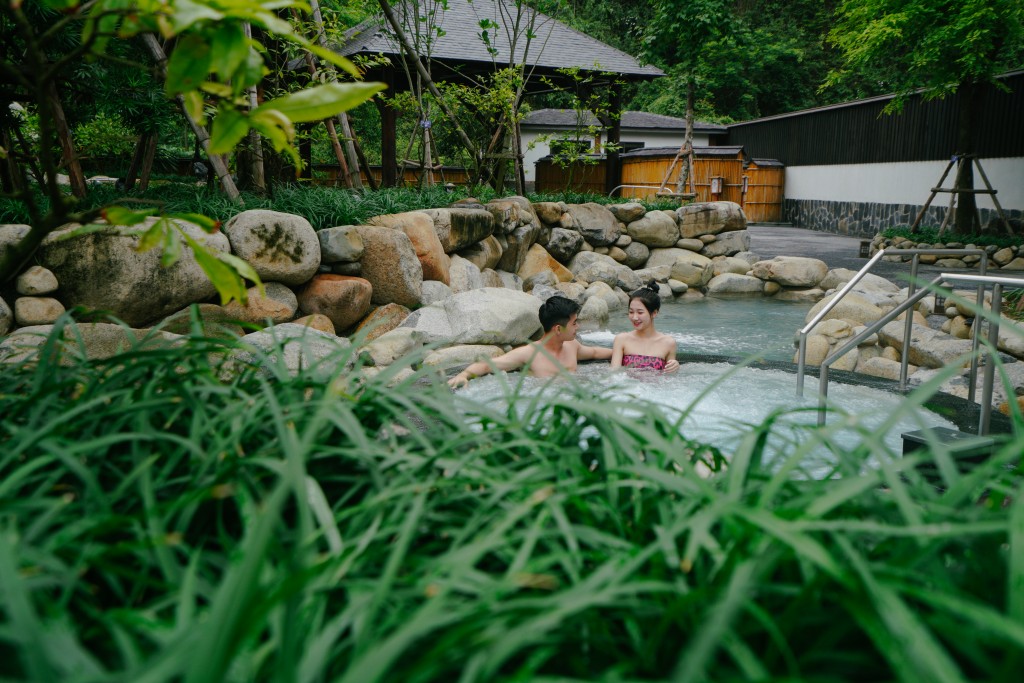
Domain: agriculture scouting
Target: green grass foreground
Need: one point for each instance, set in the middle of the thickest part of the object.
(160, 523)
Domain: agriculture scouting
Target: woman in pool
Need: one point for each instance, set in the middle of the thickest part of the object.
(644, 347)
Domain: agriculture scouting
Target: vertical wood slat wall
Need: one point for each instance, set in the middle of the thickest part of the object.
(574, 178)
(762, 202)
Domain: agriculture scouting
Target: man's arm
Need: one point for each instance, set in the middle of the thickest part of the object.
(513, 360)
(593, 353)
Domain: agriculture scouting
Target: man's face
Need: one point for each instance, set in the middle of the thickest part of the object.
(570, 329)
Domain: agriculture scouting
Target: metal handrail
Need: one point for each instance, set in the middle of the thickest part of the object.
(805, 330)
(993, 335)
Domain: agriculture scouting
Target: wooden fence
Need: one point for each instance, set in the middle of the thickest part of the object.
(577, 177)
(642, 175)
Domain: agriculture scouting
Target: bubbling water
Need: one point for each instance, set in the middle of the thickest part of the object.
(722, 401)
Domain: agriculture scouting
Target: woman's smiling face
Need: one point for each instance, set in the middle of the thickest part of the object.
(639, 315)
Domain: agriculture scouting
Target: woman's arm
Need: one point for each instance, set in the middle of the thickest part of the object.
(671, 364)
(617, 345)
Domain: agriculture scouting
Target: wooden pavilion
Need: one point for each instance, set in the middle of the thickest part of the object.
(459, 53)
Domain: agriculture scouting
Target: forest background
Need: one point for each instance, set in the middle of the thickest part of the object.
(770, 57)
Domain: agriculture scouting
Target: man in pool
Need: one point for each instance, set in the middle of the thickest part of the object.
(557, 350)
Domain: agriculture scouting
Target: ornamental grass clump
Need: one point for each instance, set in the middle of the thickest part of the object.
(164, 520)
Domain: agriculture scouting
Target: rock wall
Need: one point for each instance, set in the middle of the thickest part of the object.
(865, 219)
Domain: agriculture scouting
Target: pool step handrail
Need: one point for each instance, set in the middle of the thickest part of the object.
(801, 365)
(981, 281)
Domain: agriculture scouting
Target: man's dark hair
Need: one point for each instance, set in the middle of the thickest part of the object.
(556, 311)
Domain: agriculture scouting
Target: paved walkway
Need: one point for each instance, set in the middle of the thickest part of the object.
(838, 251)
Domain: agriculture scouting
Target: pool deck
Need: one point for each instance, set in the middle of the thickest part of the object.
(838, 251)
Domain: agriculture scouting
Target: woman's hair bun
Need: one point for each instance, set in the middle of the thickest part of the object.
(652, 285)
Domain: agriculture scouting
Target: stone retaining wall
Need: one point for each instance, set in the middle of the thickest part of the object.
(864, 219)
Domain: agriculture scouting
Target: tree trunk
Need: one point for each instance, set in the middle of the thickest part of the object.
(67, 145)
(219, 167)
(257, 171)
(686, 170)
(410, 51)
(10, 174)
(147, 162)
(133, 168)
(966, 203)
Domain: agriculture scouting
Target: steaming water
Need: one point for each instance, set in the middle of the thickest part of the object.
(723, 399)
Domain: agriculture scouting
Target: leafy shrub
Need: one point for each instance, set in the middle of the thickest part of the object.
(930, 235)
(105, 135)
(324, 207)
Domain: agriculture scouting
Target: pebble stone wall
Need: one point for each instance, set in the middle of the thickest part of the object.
(864, 219)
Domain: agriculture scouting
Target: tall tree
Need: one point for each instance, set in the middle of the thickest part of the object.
(937, 47)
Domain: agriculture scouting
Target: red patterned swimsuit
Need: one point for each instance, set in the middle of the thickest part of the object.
(639, 362)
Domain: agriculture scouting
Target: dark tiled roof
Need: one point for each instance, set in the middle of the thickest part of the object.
(566, 118)
(712, 151)
(556, 45)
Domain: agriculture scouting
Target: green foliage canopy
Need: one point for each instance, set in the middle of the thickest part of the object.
(932, 44)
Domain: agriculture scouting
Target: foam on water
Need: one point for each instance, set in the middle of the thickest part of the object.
(723, 400)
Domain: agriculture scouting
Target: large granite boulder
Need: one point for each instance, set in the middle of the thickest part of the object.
(595, 222)
(537, 260)
(727, 244)
(549, 212)
(296, 348)
(563, 244)
(281, 247)
(382, 320)
(731, 283)
(629, 212)
(656, 230)
(459, 228)
(11, 234)
(520, 230)
(277, 304)
(465, 275)
(36, 281)
(344, 300)
(104, 270)
(837, 277)
(6, 317)
(710, 218)
(791, 271)
(928, 348)
(484, 254)
(636, 255)
(390, 264)
(341, 244)
(94, 341)
(593, 267)
(480, 316)
(852, 307)
(687, 267)
(419, 228)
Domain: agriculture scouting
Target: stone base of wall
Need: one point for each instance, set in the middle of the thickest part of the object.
(864, 219)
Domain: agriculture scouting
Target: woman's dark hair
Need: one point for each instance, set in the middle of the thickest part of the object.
(556, 311)
(648, 295)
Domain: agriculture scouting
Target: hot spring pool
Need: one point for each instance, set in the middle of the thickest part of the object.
(723, 399)
(738, 327)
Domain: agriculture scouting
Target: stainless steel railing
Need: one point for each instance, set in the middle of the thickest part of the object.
(848, 287)
(913, 297)
(981, 281)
